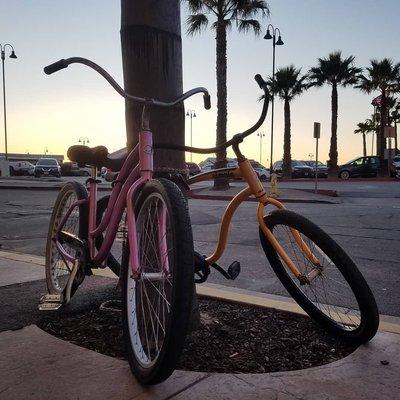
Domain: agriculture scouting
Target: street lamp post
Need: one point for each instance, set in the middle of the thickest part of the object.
(261, 135)
(275, 43)
(3, 57)
(191, 114)
(84, 140)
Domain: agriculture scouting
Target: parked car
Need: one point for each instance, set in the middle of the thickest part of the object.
(72, 169)
(396, 166)
(21, 168)
(193, 168)
(262, 172)
(322, 168)
(360, 166)
(46, 167)
(299, 169)
(209, 164)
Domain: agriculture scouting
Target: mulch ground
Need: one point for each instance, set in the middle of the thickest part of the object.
(232, 338)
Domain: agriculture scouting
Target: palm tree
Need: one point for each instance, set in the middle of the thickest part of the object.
(382, 76)
(364, 128)
(335, 71)
(287, 85)
(154, 71)
(225, 13)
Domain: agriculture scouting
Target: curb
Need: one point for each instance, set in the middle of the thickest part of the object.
(194, 196)
(44, 188)
(388, 323)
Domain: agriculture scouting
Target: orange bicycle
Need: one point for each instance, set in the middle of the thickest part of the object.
(312, 267)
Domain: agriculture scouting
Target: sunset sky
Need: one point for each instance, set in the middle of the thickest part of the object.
(54, 111)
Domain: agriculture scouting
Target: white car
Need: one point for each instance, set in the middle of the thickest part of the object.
(262, 172)
(21, 168)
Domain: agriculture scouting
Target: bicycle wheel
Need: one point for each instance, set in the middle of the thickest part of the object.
(57, 269)
(114, 259)
(157, 304)
(338, 298)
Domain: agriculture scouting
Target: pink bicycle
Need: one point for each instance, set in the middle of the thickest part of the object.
(158, 265)
(158, 285)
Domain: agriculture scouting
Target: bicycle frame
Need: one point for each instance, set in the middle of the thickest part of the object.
(255, 188)
(135, 172)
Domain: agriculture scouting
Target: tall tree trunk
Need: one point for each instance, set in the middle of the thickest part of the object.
(364, 144)
(152, 66)
(221, 183)
(333, 153)
(287, 158)
(381, 142)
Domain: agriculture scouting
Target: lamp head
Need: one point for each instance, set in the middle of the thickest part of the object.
(268, 35)
(13, 55)
(279, 42)
(194, 114)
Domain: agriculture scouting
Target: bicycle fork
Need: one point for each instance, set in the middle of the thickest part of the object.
(258, 191)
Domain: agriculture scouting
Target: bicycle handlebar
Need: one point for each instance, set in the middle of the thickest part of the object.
(238, 138)
(63, 63)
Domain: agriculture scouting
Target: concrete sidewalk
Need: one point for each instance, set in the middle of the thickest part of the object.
(36, 365)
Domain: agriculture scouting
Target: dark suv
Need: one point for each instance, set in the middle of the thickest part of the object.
(46, 167)
(299, 169)
(361, 166)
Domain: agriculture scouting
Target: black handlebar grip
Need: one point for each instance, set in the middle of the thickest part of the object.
(50, 69)
(207, 101)
(260, 81)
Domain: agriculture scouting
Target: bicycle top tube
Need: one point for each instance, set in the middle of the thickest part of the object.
(63, 63)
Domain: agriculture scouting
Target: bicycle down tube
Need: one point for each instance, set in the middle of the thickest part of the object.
(255, 187)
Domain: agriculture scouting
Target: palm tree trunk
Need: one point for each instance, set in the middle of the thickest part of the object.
(333, 153)
(287, 159)
(364, 144)
(381, 142)
(152, 66)
(221, 183)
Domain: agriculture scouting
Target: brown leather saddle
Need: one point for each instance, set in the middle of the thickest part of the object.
(97, 157)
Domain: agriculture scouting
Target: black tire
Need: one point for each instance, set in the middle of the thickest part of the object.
(112, 261)
(179, 296)
(345, 175)
(77, 223)
(352, 280)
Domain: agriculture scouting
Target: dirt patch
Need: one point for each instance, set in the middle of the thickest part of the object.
(232, 338)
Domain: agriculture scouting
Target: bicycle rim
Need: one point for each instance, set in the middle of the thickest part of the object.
(149, 297)
(329, 291)
(60, 269)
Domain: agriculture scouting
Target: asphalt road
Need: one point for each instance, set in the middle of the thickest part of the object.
(366, 223)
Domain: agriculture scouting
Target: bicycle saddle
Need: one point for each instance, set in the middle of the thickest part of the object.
(96, 156)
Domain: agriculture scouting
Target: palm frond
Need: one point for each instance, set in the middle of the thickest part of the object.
(245, 25)
(196, 23)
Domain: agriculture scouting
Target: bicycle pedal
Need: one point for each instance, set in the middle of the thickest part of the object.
(234, 270)
(50, 302)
